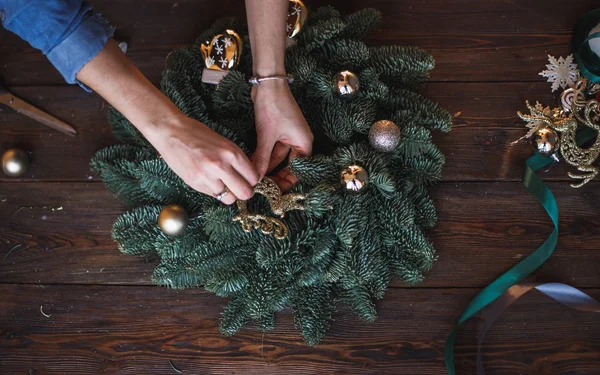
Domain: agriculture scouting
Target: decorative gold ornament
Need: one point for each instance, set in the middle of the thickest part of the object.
(582, 111)
(297, 15)
(280, 204)
(354, 179)
(221, 54)
(346, 84)
(173, 220)
(384, 136)
(15, 162)
(545, 141)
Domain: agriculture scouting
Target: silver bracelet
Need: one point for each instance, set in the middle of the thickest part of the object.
(256, 80)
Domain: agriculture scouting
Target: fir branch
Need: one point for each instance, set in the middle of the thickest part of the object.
(360, 23)
(322, 14)
(315, 35)
(407, 66)
(420, 109)
(124, 130)
(313, 311)
(234, 316)
(345, 54)
(136, 231)
(361, 302)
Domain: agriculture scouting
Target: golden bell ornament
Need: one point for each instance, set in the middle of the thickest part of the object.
(384, 136)
(354, 179)
(15, 162)
(545, 141)
(221, 54)
(346, 84)
(296, 17)
(173, 220)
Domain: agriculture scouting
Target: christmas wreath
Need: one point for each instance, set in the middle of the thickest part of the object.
(355, 220)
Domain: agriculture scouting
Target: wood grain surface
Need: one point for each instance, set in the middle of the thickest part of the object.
(71, 303)
(138, 330)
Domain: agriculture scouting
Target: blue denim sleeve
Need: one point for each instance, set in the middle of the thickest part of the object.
(66, 31)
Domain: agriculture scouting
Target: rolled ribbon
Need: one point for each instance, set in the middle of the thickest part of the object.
(533, 261)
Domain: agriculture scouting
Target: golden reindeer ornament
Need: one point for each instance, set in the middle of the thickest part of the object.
(576, 110)
(280, 204)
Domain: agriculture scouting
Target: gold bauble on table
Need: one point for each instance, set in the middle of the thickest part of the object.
(384, 136)
(545, 141)
(15, 162)
(354, 179)
(221, 54)
(346, 84)
(173, 220)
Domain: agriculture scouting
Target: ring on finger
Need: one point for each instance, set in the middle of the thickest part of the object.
(222, 194)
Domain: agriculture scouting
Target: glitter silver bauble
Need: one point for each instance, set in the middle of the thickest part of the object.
(545, 141)
(173, 220)
(384, 136)
(346, 84)
(15, 162)
(354, 179)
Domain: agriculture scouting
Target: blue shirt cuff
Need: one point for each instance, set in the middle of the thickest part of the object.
(80, 46)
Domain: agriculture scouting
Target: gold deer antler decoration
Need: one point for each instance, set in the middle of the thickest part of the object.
(280, 204)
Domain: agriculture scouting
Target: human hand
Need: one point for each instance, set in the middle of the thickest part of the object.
(205, 160)
(281, 130)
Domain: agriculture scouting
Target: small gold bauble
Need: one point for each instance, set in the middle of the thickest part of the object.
(346, 84)
(223, 51)
(545, 141)
(173, 220)
(354, 179)
(15, 162)
(384, 136)
(297, 15)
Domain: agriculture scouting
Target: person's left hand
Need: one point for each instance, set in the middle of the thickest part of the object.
(281, 130)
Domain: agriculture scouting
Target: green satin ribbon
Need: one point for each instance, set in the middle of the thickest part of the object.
(533, 261)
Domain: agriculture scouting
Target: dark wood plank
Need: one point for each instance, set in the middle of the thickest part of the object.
(484, 126)
(142, 328)
(55, 156)
(484, 229)
(482, 41)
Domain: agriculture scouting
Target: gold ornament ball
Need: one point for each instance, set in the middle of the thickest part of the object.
(545, 141)
(15, 162)
(173, 220)
(384, 136)
(354, 179)
(346, 84)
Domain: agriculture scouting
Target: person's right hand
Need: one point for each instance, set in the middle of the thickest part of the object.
(205, 160)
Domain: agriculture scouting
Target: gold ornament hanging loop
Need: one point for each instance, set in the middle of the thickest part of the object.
(576, 109)
(280, 204)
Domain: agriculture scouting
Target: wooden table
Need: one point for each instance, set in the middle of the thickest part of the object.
(102, 315)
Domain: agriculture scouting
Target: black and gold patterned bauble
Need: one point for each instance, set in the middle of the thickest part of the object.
(173, 220)
(346, 84)
(15, 162)
(545, 141)
(384, 136)
(354, 179)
